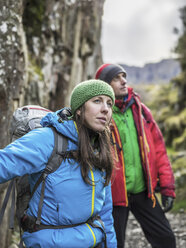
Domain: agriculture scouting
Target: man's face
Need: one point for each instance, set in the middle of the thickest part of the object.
(119, 85)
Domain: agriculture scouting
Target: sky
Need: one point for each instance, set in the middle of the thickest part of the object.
(136, 32)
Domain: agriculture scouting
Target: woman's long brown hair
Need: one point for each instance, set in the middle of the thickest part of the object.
(94, 149)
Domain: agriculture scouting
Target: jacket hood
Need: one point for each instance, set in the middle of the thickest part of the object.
(66, 127)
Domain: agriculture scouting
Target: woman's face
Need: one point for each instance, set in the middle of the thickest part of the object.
(98, 112)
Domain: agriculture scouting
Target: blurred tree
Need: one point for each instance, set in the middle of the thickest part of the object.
(181, 45)
(179, 83)
(171, 105)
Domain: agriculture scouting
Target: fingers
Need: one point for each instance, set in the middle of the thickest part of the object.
(168, 204)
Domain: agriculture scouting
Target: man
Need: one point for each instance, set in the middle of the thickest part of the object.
(141, 161)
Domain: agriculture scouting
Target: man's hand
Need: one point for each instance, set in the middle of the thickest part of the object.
(167, 202)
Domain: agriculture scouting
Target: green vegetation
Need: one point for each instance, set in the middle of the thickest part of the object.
(181, 45)
(33, 16)
(180, 201)
(34, 69)
(180, 142)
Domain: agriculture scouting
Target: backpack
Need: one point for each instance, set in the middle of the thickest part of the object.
(24, 120)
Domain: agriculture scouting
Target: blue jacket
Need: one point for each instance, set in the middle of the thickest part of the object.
(67, 199)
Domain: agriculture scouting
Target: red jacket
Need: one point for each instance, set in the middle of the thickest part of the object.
(155, 162)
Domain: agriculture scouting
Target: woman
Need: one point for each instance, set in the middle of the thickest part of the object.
(79, 190)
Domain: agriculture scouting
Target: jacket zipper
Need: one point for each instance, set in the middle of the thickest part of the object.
(126, 122)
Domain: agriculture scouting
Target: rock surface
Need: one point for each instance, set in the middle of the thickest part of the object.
(136, 239)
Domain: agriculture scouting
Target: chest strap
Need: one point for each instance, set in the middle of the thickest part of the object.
(29, 224)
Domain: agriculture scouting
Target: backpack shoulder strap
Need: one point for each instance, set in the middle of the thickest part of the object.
(55, 160)
(60, 147)
(62, 142)
(11, 187)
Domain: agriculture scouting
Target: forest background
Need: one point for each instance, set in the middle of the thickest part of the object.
(47, 47)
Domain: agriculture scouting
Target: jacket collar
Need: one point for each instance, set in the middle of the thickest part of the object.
(122, 103)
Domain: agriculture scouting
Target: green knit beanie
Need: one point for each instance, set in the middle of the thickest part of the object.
(88, 89)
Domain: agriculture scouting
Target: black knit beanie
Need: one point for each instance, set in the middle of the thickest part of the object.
(107, 72)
